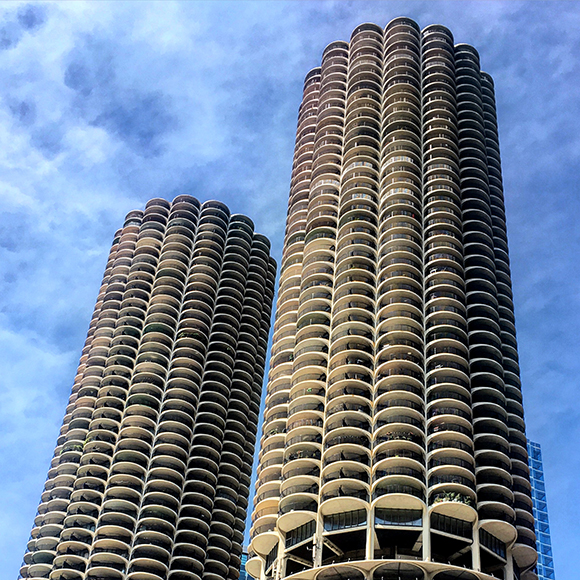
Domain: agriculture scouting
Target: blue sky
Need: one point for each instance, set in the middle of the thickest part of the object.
(105, 105)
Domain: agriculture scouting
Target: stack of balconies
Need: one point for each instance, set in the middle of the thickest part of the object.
(451, 466)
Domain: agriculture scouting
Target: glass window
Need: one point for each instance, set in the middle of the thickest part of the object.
(398, 517)
(451, 525)
(300, 533)
(345, 520)
(492, 543)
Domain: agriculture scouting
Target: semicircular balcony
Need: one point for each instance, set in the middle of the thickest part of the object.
(498, 519)
(39, 570)
(155, 553)
(310, 353)
(398, 371)
(348, 372)
(399, 467)
(153, 544)
(395, 88)
(302, 468)
(447, 395)
(347, 434)
(345, 494)
(86, 494)
(452, 495)
(491, 430)
(398, 399)
(524, 549)
(398, 486)
(347, 472)
(398, 236)
(443, 204)
(297, 507)
(398, 447)
(306, 435)
(353, 245)
(395, 343)
(350, 449)
(160, 497)
(121, 491)
(305, 454)
(398, 425)
(72, 557)
(267, 514)
(451, 459)
(132, 428)
(496, 512)
(146, 569)
(118, 506)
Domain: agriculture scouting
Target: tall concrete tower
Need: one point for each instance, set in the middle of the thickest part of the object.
(394, 444)
(150, 477)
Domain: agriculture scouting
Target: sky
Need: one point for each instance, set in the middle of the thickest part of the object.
(106, 105)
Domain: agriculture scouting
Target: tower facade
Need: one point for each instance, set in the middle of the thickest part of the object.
(545, 568)
(150, 476)
(394, 445)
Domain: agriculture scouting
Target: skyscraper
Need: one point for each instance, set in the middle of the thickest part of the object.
(394, 443)
(243, 573)
(150, 475)
(543, 539)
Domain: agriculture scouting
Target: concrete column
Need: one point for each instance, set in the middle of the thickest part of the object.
(280, 564)
(509, 569)
(426, 536)
(370, 547)
(317, 543)
(475, 551)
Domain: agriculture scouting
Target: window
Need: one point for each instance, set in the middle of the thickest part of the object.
(492, 543)
(345, 520)
(301, 533)
(398, 517)
(451, 525)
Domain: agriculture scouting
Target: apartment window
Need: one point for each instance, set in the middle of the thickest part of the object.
(492, 543)
(398, 517)
(301, 533)
(451, 525)
(345, 520)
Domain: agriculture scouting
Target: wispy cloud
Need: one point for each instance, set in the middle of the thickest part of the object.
(104, 105)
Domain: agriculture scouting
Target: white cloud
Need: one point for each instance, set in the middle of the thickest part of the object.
(105, 105)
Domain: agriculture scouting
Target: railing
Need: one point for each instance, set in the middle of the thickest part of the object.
(436, 462)
(347, 439)
(303, 454)
(399, 436)
(398, 419)
(453, 479)
(346, 474)
(395, 453)
(311, 471)
(451, 496)
(344, 491)
(347, 456)
(306, 438)
(406, 471)
(449, 427)
(305, 488)
(310, 506)
(405, 489)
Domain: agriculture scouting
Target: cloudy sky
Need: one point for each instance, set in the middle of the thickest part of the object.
(105, 105)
